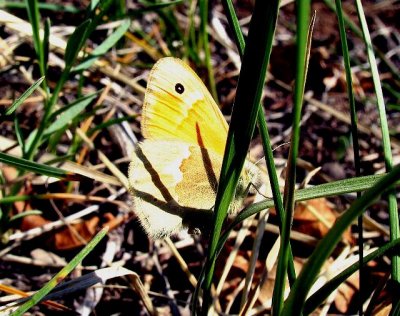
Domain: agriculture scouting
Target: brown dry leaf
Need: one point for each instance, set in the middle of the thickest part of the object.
(384, 310)
(315, 218)
(79, 234)
(267, 287)
(30, 221)
(236, 274)
(76, 235)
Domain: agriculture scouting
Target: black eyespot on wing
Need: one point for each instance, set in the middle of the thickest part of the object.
(179, 88)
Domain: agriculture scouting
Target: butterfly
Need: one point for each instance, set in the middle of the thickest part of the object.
(173, 175)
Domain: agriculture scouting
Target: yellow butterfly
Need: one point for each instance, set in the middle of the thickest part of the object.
(174, 172)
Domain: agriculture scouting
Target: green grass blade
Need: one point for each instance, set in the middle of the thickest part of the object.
(350, 91)
(104, 47)
(295, 302)
(75, 43)
(150, 6)
(46, 44)
(387, 151)
(249, 91)
(28, 165)
(26, 213)
(18, 134)
(24, 96)
(34, 18)
(94, 4)
(203, 6)
(235, 25)
(322, 294)
(41, 6)
(190, 34)
(38, 296)
(97, 14)
(335, 188)
(66, 115)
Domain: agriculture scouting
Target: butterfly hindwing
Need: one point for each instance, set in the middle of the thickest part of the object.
(160, 186)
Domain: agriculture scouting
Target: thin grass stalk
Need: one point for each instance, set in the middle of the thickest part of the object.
(42, 6)
(203, 5)
(189, 37)
(263, 129)
(235, 26)
(394, 70)
(71, 53)
(34, 18)
(303, 45)
(391, 197)
(248, 96)
(354, 136)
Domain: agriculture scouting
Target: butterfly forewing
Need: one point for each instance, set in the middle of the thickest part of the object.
(178, 106)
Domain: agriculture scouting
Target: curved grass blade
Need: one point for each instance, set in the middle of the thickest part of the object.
(295, 302)
(324, 190)
(46, 44)
(18, 134)
(74, 45)
(40, 295)
(322, 294)
(23, 214)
